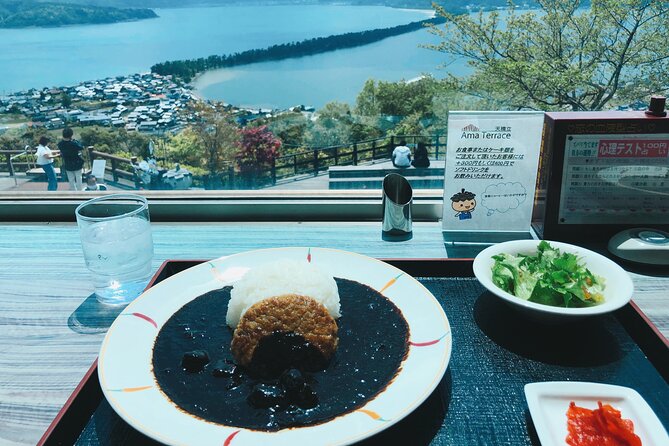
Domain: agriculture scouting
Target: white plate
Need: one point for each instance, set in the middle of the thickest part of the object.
(618, 284)
(125, 360)
(549, 401)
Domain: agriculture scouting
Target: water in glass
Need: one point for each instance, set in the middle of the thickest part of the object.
(118, 253)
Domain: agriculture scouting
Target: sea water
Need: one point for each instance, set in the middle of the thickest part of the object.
(118, 253)
(44, 57)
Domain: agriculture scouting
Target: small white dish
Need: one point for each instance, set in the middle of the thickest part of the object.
(618, 284)
(549, 401)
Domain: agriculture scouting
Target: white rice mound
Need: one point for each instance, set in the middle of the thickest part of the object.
(282, 277)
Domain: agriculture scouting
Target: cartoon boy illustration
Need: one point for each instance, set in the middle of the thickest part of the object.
(463, 204)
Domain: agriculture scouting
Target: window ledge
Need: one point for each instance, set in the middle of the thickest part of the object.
(230, 205)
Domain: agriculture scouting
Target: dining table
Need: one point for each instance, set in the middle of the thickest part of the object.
(50, 334)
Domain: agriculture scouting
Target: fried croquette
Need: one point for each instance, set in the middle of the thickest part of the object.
(288, 314)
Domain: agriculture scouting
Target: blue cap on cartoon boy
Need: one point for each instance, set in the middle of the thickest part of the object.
(463, 203)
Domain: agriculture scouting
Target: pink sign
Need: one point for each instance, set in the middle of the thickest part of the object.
(633, 148)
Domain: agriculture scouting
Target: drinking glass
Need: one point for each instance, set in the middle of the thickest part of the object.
(116, 238)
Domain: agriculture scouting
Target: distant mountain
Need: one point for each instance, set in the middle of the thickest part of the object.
(452, 5)
(48, 13)
(21, 14)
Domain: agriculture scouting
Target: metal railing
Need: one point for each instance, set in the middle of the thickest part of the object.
(308, 162)
(316, 160)
(11, 165)
(117, 168)
(11, 159)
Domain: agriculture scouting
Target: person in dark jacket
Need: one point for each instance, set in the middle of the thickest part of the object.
(420, 158)
(73, 162)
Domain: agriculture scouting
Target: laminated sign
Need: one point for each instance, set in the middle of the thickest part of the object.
(620, 178)
(490, 176)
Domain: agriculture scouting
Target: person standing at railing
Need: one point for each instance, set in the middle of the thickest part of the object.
(73, 162)
(45, 158)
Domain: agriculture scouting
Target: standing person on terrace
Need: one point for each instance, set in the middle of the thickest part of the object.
(73, 162)
(45, 158)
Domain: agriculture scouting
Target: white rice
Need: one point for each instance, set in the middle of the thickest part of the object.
(282, 277)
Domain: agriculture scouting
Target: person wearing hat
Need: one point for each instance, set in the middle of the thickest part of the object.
(45, 158)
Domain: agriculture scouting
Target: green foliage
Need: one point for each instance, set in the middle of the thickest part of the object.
(397, 98)
(114, 141)
(134, 143)
(410, 125)
(419, 107)
(366, 103)
(19, 14)
(186, 148)
(11, 142)
(333, 112)
(406, 98)
(562, 57)
(17, 139)
(400, 100)
(333, 126)
(289, 127)
(362, 130)
(65, 100)
(218, 137)
(103, 139)
(382, 108)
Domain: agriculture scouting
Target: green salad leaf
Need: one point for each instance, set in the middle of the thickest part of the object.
(549, 277)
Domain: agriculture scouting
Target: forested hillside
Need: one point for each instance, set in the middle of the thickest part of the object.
(21, 13)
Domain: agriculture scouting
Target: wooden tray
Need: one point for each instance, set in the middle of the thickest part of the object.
(496, 351)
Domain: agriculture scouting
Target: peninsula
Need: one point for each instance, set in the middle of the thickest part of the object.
(186, 70)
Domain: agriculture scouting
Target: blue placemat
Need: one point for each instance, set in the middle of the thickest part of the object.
(496, 351)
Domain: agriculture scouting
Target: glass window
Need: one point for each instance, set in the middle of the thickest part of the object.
(294, 97)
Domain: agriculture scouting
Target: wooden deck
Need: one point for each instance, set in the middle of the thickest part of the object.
(35, 182)
(38, 171)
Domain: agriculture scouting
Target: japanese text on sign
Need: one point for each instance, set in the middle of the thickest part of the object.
(490, 171)
(615, 179)
(633, 149)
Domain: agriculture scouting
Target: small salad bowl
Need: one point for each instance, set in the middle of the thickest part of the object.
(617, 292)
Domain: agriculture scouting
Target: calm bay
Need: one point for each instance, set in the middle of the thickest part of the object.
(45, 57)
